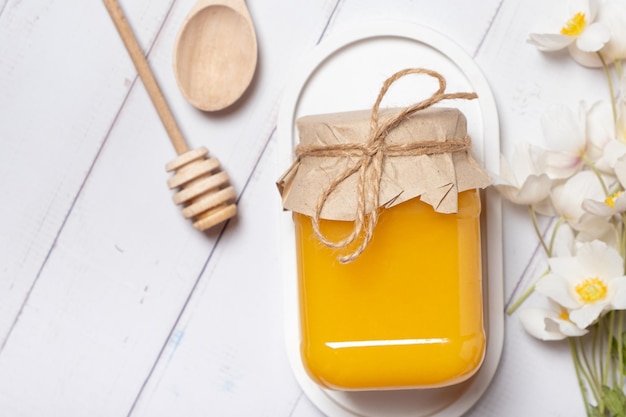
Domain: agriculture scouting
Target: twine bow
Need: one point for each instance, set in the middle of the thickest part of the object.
(370, 156)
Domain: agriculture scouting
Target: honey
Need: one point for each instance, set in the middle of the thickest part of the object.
(407, 313)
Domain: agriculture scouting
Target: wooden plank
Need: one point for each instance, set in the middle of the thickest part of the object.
(60, 95)
(226, 355)
(464, 24)
(126, 261)
(97, 264)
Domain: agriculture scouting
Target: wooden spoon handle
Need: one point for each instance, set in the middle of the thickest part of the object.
(146, 75)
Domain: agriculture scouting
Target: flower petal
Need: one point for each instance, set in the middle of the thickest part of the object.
(619, 297)
(534, 322)
(590, 7)
(599, 259)
(593, 38)
(564, 129)
(587, 314)
(568, 197)
(598, 208)
(560, 165)
(613, 15)
(590, 227)
(620, 170)
(557, 289)
(564, 242)
(586, 59)
(524, 162)
(600, 130)
(536, 188)
(521, 181)
(549, 42)
(566, 327)
(611, 154)
(568, 269)
(620, 203)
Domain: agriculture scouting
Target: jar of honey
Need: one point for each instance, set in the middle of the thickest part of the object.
(386, 208)
(407, 312)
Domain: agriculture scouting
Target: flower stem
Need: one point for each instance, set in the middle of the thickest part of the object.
(547, 249)
(591, 376)
(620, 349)
(554, 232)
(520, 300)
(581, 374)
(610, 82)
(622, 240)
(525, 295)
(533, 217)
(596, 369)
(593, 168)
(609, 345)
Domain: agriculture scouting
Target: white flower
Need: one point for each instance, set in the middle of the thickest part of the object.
(565, 133)
(620, 170)
(521, 182)
(568, 197)
(609, 137)
(588, 284)
(612, 153)
(546, 324)
(564, 241)
(599, 128)
(575, 29)
(574, 138)
(612, 14)
(613, 204)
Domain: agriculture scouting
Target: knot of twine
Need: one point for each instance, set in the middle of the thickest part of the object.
(370, 156)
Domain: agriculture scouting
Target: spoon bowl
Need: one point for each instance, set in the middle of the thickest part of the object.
(215, 54)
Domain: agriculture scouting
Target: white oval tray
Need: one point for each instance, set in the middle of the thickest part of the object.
(343, 73)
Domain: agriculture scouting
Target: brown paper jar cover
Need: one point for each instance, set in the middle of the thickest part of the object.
(435, 178)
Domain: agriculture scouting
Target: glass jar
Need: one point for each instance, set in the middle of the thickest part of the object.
(407, 313)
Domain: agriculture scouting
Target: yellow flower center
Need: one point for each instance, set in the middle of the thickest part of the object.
(575, 26)
(610, 200)
(564, 315)
(591, 290)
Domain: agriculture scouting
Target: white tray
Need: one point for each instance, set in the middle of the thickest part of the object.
(343, 73)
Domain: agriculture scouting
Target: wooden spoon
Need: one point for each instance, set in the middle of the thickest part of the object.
(215, 53)
(203, 188)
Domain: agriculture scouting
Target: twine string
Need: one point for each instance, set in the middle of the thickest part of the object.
(370, 157)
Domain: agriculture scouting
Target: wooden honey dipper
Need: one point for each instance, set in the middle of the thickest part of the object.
(203, 189)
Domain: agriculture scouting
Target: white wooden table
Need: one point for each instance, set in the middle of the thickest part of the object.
(111, 304)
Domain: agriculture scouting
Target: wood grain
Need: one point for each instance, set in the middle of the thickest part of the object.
(111, 304)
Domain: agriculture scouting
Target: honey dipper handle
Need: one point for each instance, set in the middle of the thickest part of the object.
(146, 75)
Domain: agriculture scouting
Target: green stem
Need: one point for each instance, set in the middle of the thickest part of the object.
(610, 82)
(558, 224)
(579, 372)
(620, 349)
(547, 250)
(596, 370)
(609, 345)
(533, 217)
(585, 370)
(622, 240)
(593, 168)
(618, 67)
(526, 294)
(520, 300)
